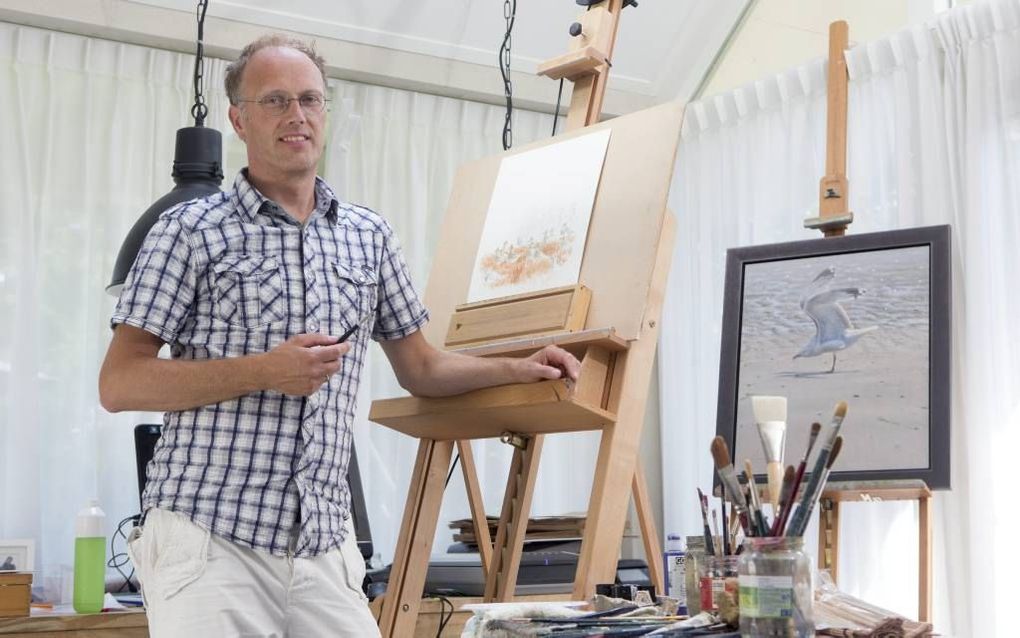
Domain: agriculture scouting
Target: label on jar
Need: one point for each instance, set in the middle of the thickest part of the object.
(714, 588)
(766, 596)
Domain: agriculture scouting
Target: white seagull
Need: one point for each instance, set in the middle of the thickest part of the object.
(833, 328)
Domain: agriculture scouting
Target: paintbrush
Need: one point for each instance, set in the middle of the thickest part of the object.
(788, 508)
(721, 456)
(799, 520)
(725, 526)
(703, 501)
(715, 530)
(810, 505)
(734, 528)
(770, 415)
(785, 496)
(758, 522)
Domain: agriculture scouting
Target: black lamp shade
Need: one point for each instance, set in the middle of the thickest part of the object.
(197, 173)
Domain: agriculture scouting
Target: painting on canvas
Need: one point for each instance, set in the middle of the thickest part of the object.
(538, 218)
(862, 319)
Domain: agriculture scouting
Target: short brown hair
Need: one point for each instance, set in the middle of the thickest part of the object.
(232, 81)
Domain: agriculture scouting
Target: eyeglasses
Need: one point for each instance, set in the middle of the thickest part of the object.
(279, 103)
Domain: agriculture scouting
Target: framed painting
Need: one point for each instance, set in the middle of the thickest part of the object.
(864, 319)
(17, 555)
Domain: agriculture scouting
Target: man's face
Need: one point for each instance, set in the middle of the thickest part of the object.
(289, 144)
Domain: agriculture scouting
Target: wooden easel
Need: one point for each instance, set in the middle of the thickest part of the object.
(625, 265)
(834, 216)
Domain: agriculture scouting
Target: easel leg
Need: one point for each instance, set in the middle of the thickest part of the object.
(474, 494)
(414, 544)
(618, 449)
(925, 542)
(501, 581)
(828, 537)
(649, 533)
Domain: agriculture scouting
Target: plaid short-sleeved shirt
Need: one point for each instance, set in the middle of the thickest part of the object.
(231, 275)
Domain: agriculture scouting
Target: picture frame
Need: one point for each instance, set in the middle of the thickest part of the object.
(861, 318)
(17, 555)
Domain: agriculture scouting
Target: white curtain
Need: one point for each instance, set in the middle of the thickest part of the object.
(88, 141)
(87, 145)
(934, 137)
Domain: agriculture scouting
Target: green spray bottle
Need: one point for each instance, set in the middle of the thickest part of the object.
(89, 559)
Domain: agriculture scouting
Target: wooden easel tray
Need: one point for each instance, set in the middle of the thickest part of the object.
(540, 408)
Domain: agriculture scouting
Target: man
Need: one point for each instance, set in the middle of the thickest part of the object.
(247, 528)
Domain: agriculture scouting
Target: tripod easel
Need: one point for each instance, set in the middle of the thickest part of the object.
(612, 329)
(834, 216)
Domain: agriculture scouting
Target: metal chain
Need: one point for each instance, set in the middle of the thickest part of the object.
(199, 110)
(509, 13)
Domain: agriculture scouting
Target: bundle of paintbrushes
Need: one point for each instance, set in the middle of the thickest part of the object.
(793, 501)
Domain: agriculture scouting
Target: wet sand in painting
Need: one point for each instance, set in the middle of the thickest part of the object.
(883, 377)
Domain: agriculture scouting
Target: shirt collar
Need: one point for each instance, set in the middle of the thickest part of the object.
(250, 202)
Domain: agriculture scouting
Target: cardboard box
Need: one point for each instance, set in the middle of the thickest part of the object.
(15, 594)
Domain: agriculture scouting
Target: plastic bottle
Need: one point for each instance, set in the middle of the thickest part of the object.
(674, 560)
(89, 559)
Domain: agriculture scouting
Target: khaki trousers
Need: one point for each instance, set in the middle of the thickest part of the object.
(196, 584)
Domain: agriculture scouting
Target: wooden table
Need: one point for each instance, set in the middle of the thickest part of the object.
(133, 624)
(57, 624)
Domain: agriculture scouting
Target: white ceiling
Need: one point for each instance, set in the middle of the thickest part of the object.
(664, 48)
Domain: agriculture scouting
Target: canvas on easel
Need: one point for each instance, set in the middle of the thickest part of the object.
(538, 217)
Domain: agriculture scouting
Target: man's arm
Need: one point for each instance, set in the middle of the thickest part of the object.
(133, 377)
(427, 372)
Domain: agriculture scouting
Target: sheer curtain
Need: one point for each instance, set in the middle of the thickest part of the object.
(934, 138)
(88, 143)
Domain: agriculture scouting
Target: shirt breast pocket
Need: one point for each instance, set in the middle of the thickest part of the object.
(357, 288)
(248, 290)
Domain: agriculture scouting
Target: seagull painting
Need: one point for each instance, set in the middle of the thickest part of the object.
(833, 329)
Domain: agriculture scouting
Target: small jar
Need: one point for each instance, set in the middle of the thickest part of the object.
(695, 556)
(718, 582)
(775, 588)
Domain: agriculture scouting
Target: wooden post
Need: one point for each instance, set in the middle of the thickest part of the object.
(833, 196)
(649, 531)
(618, 450)
(588, 62)
(925, 559)
(477, 505)
(414, 545)
(828, 537)
(834, 216)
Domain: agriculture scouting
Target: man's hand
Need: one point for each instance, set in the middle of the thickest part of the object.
(300, 365)
(551, 362)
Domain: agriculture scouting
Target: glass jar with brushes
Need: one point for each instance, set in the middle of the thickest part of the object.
(775, 588)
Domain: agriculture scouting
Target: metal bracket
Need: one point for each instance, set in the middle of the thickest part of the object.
(828, 223)
(519, 441)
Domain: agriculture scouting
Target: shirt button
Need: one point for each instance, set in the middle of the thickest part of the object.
(312, 325)
(361, 279)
